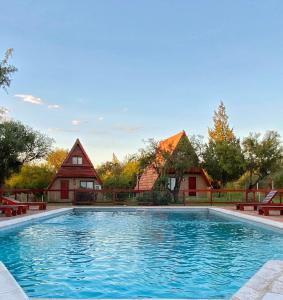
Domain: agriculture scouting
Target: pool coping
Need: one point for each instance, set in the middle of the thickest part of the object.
(264, 285)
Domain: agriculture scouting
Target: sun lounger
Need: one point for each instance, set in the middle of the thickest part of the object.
(11, 201)
(264, 210)
(266, 201)
(13, 210)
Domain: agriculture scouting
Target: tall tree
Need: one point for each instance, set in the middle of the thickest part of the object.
(222, 158)
(221, 130)
(3, 114)
(6, 70)
(263, 156)
(20, 144)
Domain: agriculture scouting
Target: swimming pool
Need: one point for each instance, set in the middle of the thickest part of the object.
(137, 253)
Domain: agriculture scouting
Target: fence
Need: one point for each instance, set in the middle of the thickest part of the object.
(140, 197)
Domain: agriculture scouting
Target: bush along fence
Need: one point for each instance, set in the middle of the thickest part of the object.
(140, 197)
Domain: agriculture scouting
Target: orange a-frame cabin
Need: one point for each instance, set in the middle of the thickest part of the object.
(195, 178)
(76, 172)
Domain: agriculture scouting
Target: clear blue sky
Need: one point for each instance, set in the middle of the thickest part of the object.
(124, 71)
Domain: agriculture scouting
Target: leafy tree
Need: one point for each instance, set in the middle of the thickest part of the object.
(3, 112)
(222, 157)
(20, 144)
(221, 130)
(197, 142)
(55, 158)
(116, 174)
(31, 177)
(175, 162)
(130, 171)
(262, 156)
(278, 177)
(223, 161)
(6, 70)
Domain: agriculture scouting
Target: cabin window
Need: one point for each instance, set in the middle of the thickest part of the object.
(98, 187)
(77, 160)
(171, 183)
(87, 185)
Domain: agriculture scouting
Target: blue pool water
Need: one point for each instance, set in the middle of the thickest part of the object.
(119, 254)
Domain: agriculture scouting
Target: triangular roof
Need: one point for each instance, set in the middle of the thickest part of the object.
(69, 170)
(149, 176)
(172, 142)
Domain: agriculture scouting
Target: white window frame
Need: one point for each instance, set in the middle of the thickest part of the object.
(98, 187)
(89, 185)
(171, 183)
(77, 160)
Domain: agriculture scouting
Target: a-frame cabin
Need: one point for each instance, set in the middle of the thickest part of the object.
(195, 177)
(76, 172)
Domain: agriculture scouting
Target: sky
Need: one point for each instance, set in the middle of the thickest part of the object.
(115, 73)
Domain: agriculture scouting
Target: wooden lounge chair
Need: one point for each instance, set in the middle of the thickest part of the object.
(13, 210)
(266, 201)
(264, 210)
(11, 201)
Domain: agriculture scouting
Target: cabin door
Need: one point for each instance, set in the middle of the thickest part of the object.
(64, 189)
(192, 185)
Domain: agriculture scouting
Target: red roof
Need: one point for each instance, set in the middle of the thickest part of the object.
(171, 143)
(69, 170)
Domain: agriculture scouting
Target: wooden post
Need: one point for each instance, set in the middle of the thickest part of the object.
(75, 199)
(184, 198)
(113, 197)
(211, 197)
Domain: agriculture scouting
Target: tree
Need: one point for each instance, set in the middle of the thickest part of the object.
(55, 158)
(116, 174)
(223, 161)
(182, 159)
(3, 114)
(262, 156)
(20, 144)
(130, 171)
(6, 70)
(31, 176)
(221, 130)
(222, 157)
(169, 162)
(278, 177)
(197, 142)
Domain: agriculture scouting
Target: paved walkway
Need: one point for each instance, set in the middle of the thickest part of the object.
(32, 212)
(249, 211)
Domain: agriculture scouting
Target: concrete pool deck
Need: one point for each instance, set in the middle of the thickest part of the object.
(266, 284)
(249, 212)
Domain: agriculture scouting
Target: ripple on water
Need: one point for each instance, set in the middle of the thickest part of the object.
(87, 254)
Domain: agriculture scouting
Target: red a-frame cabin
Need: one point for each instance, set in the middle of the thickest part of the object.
(76, 172)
